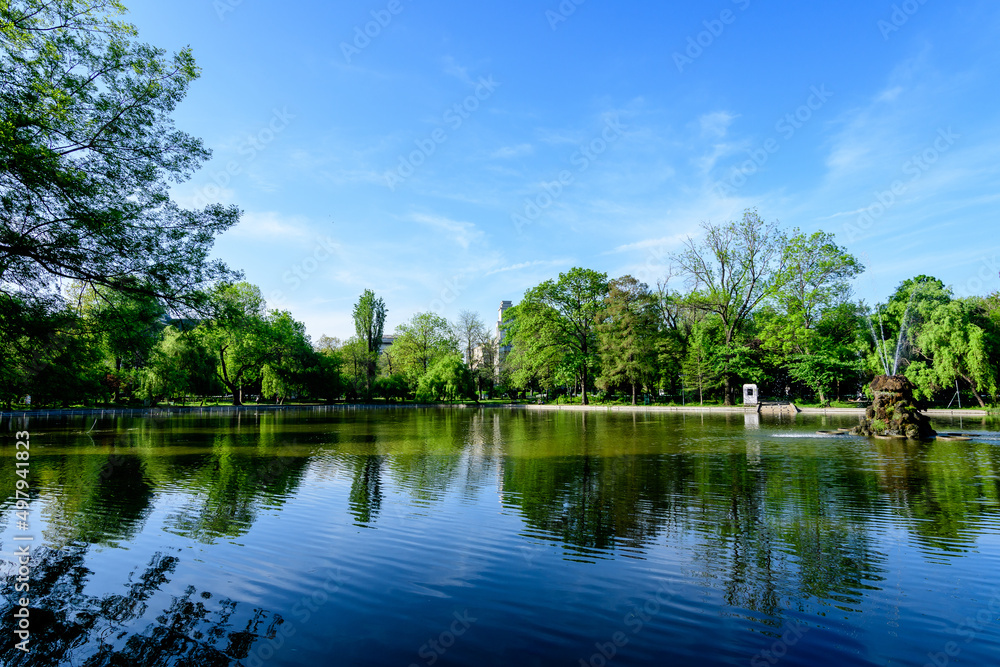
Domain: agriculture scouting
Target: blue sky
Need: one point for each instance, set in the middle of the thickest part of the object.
(460, 153)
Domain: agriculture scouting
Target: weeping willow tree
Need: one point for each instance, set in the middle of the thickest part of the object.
(964, 346)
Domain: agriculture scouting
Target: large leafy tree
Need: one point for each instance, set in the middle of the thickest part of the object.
(420, 342)
(556, 324)
(628, 333)
(815, 294)
(87, 152)
(237, 335)
(964, 345)
(369, 325)
(817, 274)
(128, 326)
(731, 270)
(49, 355)
(449, 378)
(896, 324)
(291, 361)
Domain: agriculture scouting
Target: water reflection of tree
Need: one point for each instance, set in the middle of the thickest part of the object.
(365, 500)
(944, 491)
(594, 502)
(104, 498)
(244, 470)
(136, 627)
(761, 535)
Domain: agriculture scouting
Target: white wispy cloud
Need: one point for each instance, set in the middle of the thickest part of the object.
(646, 244)
(462, 233)
(276, 227)
(529, 265)
(716, 123)
(513, 151)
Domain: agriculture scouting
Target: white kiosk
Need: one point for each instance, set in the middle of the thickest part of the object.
(750, 394)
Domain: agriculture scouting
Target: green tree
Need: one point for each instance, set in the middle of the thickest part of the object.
(369, 324)
(963, 344)
(354, 356)
(556, 322)
(700, 365)
(237, 335)
(448, 378)
(290, 358)
(129, 326)
(627, 332)
(817, 275)
(731, 271)
(88, 151)
(48, 353)
(420, 342)
(165, 375)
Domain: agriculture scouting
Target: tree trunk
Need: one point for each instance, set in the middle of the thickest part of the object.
(728, 390)
(633, 393)
(975, 393)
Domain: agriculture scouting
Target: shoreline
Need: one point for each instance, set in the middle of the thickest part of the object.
(714, 409)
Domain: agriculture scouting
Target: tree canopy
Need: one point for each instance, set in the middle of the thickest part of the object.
(88, 151)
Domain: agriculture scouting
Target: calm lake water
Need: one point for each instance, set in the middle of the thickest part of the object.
(501, 537)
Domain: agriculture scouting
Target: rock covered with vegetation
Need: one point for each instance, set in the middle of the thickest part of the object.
(893, 411)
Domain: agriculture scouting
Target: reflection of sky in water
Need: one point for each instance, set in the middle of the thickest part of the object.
(360, 537)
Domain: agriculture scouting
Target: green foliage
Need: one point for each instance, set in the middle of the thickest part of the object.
(392, 387)
(627, 332)
(448, 378)
(964, 344)
(47, 352)
(369, 324)
(88, 151)
(815, 278)
(420, 342)
(173, 366)
(732, 270)
(553, 330)
(701, 362)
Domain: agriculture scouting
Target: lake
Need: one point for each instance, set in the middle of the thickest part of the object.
(500, 537)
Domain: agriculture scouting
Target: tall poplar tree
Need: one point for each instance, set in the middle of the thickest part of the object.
(369, 325)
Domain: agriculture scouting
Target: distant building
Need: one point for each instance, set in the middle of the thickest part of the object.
(387, 342)
(504, 350)
(493, 353)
